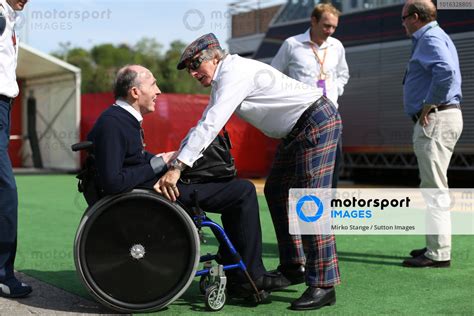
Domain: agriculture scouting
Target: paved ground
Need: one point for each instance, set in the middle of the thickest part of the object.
(49, 300)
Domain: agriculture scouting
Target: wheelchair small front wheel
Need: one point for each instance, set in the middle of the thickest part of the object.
(214, 301)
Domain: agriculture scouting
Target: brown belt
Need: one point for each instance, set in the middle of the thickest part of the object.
(441, 107)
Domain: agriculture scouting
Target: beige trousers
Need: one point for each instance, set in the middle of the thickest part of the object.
(434, 146)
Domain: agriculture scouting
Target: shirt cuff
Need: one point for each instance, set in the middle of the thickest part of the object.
(187, 156)
(158, 164)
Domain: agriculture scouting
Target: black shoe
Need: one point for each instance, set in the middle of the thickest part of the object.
(424, 262)
(294, 273)
(314, 298)
(268, 282)
(272, 282)
(418, 252)
(12, 288)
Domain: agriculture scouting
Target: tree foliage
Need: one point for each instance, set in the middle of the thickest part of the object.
(100, 64)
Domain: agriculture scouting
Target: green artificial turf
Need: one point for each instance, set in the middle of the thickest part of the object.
(373, 280)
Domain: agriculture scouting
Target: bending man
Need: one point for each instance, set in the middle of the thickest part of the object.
(308, 125)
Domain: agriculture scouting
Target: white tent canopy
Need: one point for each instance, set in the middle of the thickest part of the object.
(56, 86)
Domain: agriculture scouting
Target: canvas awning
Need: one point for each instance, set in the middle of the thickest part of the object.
(56, 86)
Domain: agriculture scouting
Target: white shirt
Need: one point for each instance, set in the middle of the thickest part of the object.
(297, 59)
(130, 109)
(8, 52)
(258, 93)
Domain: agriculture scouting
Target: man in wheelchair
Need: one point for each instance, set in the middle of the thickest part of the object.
(122, 164)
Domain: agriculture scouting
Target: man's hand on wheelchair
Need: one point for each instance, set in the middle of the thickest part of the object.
(167, 184)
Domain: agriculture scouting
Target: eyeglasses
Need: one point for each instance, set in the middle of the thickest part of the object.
(406, 16)
(196, 63)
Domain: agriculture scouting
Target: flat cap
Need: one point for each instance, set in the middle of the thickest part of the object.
(204, 42)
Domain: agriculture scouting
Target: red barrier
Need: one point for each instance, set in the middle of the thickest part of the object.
(174, 115)
(14, 147)
(92, 104)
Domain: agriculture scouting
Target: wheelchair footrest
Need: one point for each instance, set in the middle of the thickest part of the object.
(260, 297)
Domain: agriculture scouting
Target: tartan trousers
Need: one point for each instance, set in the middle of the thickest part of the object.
(306, 161)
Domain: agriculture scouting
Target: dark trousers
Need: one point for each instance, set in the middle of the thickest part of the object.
(236, 201)
(8, 198)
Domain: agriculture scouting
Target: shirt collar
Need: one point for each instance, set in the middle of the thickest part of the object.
(12, 15)
(218, 69)
(416, 36)
(127, 107)
(306, 38)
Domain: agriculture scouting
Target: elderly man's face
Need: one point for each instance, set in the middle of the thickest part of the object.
(147, 92)
(17, 5)
(409, 21)
(205, 72)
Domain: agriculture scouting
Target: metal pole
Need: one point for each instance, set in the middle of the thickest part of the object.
(32, 135)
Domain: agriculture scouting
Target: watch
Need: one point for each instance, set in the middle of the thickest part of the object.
(176, 164)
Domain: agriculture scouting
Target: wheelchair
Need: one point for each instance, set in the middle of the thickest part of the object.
(139, 252)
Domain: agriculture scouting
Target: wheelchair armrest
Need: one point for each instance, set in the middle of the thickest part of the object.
(87, 145)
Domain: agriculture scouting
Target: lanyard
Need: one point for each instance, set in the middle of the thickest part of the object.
(14, 39)
(322, 75)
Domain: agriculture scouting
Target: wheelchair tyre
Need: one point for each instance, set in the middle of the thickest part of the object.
(137, 251)
(213, 303)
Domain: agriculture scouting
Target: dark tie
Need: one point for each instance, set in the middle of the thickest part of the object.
(142, 135)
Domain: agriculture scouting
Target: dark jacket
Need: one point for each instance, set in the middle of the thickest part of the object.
(121, 161)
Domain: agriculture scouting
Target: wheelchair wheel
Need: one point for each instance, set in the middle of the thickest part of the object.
(137, 251)
(214, 302)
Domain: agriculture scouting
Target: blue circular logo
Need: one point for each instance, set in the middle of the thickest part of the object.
(316, 201)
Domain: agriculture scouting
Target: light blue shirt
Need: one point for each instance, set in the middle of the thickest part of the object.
(433, 75)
